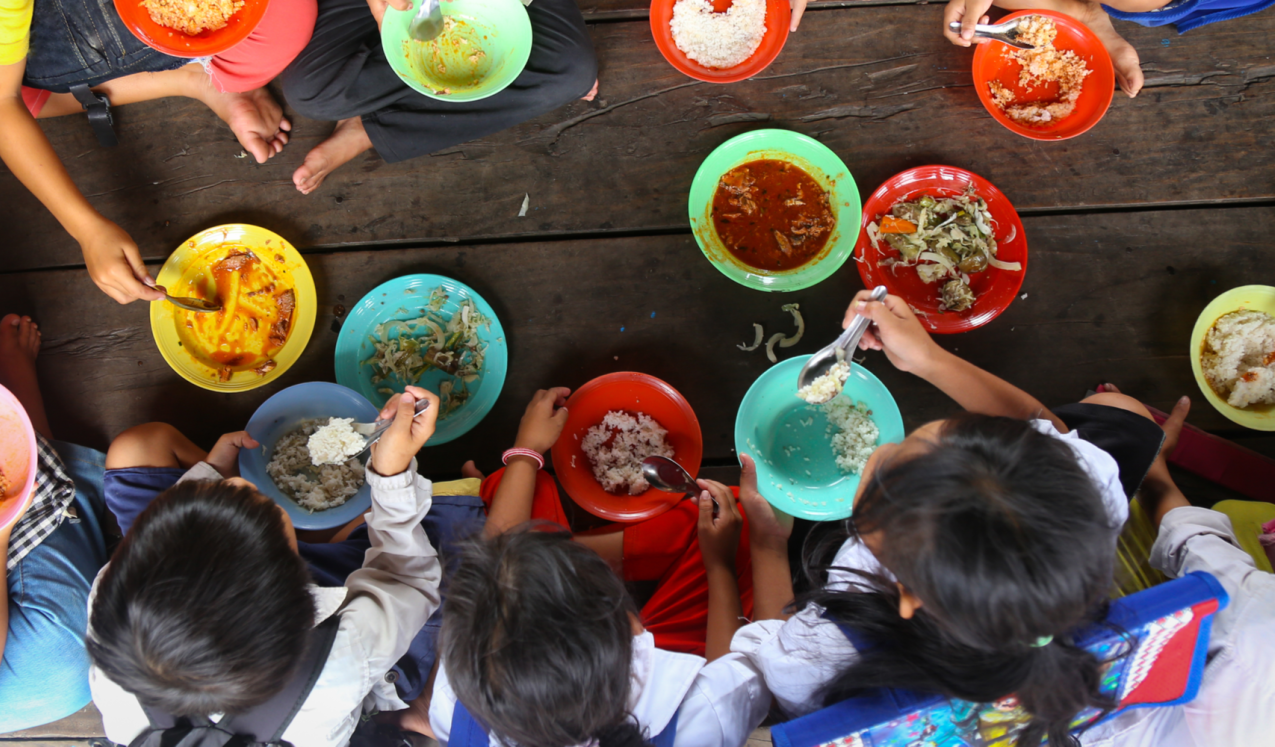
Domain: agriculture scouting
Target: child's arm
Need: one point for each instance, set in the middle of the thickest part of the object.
(909, 347)
(541, 425)
(768, 533)
(397, 589)
(111, 256)
(1159, 494)
(718, 544)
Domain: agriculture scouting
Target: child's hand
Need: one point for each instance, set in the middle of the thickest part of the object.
(407, 434)
(768, 527)
(543, 421)
(798, 10)
(969, 13)
(718, 537)
(378, 7)
(896, 330)
(224, 457)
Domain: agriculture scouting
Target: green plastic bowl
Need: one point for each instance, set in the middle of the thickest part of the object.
(809, 155)
(500, 29)
(788, 439)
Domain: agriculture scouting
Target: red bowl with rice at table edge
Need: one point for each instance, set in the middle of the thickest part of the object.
(991, 63)
(778, 16)
(176, 43)
(631, 392)
(994, 289)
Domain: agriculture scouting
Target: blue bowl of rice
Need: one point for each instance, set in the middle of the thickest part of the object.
(809, 456)
(273, 425)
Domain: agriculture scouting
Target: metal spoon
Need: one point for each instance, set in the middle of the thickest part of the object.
(427, 24)
(823, 360)
(1006, 33)
(197, 305)
(667, 475)
(373, 431)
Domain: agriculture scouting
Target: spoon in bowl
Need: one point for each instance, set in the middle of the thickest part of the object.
(427, 24)
(667, 475)
(197, 305)
(822, 362)
(373, 431)
(1005, 33)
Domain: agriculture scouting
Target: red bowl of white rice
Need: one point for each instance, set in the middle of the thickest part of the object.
(720, 41)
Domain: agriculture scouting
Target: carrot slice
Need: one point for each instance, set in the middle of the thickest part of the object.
(890, 224)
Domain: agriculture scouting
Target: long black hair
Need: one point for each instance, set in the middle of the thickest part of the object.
(537, 639)
(1003, 536)
(205, 607)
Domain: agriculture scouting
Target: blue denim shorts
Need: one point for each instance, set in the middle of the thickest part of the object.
(86, 41)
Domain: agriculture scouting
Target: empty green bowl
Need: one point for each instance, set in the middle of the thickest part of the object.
(485, 49)
(810, 156)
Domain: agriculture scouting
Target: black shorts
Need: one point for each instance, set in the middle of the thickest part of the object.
(1131, 439)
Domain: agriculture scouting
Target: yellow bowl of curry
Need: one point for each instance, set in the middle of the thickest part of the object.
(268, 304)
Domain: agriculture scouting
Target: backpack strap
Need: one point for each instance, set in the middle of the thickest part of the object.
(466, 731)
(268, 721)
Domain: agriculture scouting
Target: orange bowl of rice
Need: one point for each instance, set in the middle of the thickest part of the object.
(191, 28)
(720, 41)
(1057, 91)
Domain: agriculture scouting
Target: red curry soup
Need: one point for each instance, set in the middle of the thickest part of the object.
(772, 215)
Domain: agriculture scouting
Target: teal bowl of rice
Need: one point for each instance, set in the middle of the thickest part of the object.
(799, 471)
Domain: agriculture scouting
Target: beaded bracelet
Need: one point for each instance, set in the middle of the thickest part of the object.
(540, 461)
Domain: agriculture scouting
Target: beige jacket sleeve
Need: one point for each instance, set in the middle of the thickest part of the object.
(397, 589)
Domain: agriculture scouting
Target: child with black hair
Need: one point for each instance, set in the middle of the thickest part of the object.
(541, 645)
(207, 608)
(976, 546)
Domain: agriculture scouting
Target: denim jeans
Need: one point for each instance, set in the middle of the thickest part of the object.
(85, 41)
(44, 671)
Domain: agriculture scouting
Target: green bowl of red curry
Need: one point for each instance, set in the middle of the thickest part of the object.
(783, 174)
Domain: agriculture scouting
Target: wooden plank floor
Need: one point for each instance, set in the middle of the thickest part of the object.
(1132, 228)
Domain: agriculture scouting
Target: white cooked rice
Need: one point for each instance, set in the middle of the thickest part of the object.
(854, 435)
(616, 447)
(1239, 358)
(313, 488)
(334, 442)
(718, 40)
(824, 388)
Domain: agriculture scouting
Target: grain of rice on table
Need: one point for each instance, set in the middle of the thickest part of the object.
(718, 40)
(192, 16)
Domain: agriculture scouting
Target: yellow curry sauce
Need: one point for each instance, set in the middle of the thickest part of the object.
(254, 320)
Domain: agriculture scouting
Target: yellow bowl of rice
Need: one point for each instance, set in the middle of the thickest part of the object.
(1231, 350)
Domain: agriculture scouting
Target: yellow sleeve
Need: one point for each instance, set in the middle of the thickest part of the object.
(15, 30)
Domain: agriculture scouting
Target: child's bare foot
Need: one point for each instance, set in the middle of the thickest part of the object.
(591, 94)
(469, 469)
(19, 346)
(255, 117)
(1124, 58)
(348, 140)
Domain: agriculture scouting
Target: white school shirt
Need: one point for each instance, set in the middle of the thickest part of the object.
(382, 606)
(1237, 693)
(801, 655)
(718, 703)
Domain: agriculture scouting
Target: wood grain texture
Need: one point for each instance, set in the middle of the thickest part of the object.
(867, 81)
(1109, 297)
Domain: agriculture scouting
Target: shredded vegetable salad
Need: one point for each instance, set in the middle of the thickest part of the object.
(431, 340)
(946, 239)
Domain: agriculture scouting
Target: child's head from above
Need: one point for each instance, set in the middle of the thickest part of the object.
(998, 538)
(537, 640)
(205, 607)
(990, 525)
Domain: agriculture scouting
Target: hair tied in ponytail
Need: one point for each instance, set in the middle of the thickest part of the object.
(1043, 641)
